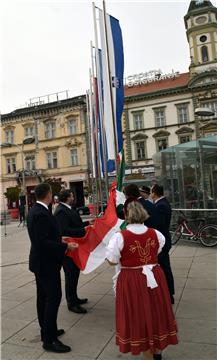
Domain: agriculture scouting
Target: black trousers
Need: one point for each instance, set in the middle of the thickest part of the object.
(49, 295)
(164, 261)
(72, 273)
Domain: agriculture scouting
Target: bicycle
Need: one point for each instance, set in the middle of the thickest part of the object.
(205, 233)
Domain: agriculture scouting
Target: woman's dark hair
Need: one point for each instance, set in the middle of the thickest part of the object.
(64, 195)
(158, 190)
(145, 189)
(42, 190)
(132, 190)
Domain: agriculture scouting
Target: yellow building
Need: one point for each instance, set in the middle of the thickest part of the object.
(58, 152)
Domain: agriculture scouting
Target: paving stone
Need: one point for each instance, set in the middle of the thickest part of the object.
(8, 304)
(197, 331)
(11, 326)
(197, 304)
(15, 352)
(190, 351)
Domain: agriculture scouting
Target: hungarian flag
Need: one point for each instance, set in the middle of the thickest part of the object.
(92, 247)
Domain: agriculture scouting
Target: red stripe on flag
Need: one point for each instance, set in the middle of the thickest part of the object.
(94, 234)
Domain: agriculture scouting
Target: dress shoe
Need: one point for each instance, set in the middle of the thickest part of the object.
(77, 309)
(60, 332)
(82, 301)
(57, 347)
(157, 357)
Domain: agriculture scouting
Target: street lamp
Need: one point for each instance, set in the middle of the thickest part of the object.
(203, 111)
(27, 140)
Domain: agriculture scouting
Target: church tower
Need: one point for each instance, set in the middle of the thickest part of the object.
(201, 30)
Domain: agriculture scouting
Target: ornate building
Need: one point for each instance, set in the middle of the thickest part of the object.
(160, 108)
(59, 149)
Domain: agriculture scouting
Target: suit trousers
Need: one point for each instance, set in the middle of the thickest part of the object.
(49, 295)
(72, 273)
(164, 261)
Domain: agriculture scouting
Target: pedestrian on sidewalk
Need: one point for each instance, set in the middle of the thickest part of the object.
(144, 317)
(45, 261)
(164, 213)
(22, 214)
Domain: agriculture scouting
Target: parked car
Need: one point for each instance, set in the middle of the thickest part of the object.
(83, 210)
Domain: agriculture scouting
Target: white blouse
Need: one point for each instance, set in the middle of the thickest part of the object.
(116, 243)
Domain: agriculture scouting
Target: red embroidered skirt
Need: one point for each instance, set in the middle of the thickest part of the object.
(144, 316)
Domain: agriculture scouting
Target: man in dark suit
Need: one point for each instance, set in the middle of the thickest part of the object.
(45, 261)
(70, 224)
(164, 213)
(132, 190)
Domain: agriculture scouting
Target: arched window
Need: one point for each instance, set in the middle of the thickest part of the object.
(204, 53)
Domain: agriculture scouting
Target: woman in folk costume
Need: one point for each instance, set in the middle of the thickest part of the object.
(144, 317)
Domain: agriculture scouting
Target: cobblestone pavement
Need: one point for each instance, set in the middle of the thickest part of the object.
(91, 336)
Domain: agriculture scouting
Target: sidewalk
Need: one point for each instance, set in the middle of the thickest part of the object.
(91, 336)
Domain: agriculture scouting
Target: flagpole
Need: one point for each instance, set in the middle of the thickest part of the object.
(93, 150)
(110, 88)
(96, 129)
(100, 103)
(89, 148)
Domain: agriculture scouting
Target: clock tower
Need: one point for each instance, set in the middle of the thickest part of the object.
(201, 30)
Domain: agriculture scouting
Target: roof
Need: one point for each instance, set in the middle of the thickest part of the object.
(166, 84)
(198, 4)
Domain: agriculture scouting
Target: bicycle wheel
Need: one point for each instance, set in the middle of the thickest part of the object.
(208, 235)
(176, 235)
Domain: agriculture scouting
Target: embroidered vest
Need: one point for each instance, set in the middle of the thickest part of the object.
(139, 249)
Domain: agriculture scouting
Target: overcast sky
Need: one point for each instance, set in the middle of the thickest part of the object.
(45, 45)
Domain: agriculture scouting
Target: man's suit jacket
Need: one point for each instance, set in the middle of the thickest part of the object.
(152, 221)
(69, 221)
(47, 250)
(164, 213)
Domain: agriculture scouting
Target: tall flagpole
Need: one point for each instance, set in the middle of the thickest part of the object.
(93, 147)
(89, 147)
(96, 129)
(110, 88)
(100, 102)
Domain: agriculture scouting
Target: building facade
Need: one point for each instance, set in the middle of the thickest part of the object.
(160, 108)
(58, 153)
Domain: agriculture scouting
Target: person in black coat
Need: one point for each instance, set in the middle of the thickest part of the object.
(71, 225)
(164, 213)
(45, 261)
(132, 190)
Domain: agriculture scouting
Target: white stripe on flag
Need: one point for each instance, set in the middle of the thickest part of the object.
(106, 89)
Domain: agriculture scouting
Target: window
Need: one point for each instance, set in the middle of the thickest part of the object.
(74, 157)
(160, 119)
(50, 130)
(162, 143)
(72, 123)
(204, 54)
(30, 162)
(9, 136)
(52, 160)
(29, 131)
(138, 121)
(184, 138)
(140, 150)
(11, 165)
(182, 111)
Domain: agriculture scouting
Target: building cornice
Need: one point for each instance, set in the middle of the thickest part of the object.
(77, 103)
(157, 94)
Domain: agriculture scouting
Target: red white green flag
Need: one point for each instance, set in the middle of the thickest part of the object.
(92, 247)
